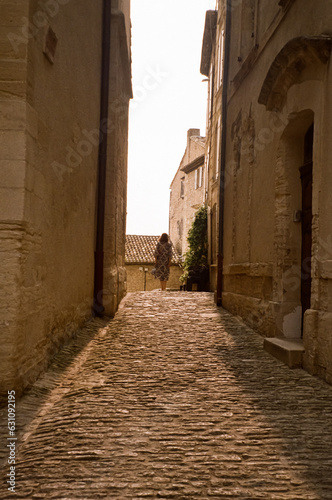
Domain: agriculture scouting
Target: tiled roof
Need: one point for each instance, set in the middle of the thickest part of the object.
(140, 250)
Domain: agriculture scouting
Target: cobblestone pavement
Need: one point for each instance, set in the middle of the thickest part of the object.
(173, 399)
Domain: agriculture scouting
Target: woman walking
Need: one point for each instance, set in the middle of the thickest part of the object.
(163, 255)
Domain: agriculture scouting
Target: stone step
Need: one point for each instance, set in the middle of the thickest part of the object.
(289, 351)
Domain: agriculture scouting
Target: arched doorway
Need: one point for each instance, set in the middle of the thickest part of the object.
(292, 92)
(293, 224)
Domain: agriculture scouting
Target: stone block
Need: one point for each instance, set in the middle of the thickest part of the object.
(54, 250)
(12, 204)
(256, 313)
(137, 279)
(12, 89)
(254, 286)
(12, 43)
(289, 351)
(310, 326)
(12, 174)
(13, 70)
(13, 145)
(325, 269)
(324, 340)
(35, 182)
(32, 122)
(12, 12)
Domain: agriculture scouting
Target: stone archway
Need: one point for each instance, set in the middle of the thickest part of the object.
(290, 66)
(287, 225)
(292, 91)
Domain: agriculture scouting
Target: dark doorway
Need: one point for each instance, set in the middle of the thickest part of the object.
(306, 180)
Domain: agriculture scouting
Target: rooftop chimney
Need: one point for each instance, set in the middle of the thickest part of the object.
(192, 132)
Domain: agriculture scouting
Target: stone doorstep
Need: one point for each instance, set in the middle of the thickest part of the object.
(290, 351)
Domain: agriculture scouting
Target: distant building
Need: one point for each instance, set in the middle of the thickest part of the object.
(62, 247)
(187, 190)
(140, 261)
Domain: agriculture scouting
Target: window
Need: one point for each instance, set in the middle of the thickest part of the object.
(220, 60)
(198, 177)
(182, 188)
(211, 91)
(214, 234)
(180, 229)
(207, 164)
(218, 147)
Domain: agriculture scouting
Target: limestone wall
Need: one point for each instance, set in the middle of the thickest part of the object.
(271, 106)
(213, 144)
(139, 280)
(116, 178)
(12, 171)
(176, 211)
(49, 121)
(186, 197)
(194, 199)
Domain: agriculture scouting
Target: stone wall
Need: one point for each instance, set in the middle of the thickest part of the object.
(49, 122)
(276, 91)
(176, 211)
(116, 178)
(194, 199)
(186, 197)
(13, 136)
(139, 280)
(212, 65)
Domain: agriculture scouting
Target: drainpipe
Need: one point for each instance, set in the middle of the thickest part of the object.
(223, 154)
(98, 307)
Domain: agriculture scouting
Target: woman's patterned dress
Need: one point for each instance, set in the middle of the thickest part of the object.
(162, 253)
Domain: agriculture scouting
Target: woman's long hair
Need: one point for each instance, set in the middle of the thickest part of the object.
(163, 238)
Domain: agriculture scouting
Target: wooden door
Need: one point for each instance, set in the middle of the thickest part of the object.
(306, 180)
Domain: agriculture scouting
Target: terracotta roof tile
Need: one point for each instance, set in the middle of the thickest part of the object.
(140, 250)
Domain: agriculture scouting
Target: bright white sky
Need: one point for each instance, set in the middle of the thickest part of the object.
(169, 98)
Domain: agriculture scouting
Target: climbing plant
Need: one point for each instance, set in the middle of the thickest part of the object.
(195, 260)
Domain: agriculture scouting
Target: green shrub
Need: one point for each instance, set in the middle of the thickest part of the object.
(196, 257)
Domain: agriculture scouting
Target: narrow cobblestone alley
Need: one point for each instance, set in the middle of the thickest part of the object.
(173, 399)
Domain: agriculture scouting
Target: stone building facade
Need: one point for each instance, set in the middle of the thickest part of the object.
(187, 190)
(212, 68)
(276, 190)
(53, 83)
(140, 261)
